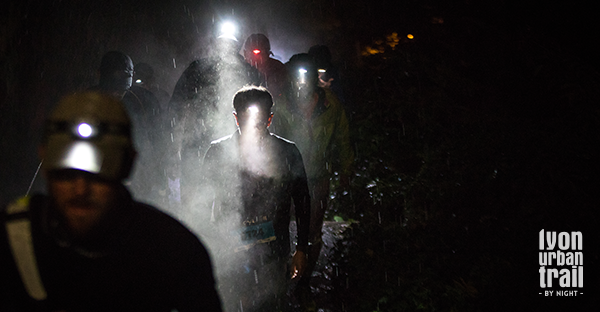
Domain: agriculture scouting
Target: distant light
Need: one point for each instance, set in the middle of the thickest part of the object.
(84, 130)
(256, 52)
(302, 72)
(228, 30)
(138, 81)
(322, 70)
(410, 36)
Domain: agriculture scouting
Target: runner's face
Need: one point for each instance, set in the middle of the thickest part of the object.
(251, 120)
(81, 198)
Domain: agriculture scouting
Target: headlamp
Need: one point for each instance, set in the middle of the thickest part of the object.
(256, 51)
(87, 130)
(253, 110)
(228, 31)
(321, 70)
(302, 75)
(84, 130)
(138, 81)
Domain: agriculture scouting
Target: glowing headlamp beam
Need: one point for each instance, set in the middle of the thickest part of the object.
(228, 29)
(83, 156)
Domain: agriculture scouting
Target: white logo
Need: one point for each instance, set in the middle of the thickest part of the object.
(561, 263)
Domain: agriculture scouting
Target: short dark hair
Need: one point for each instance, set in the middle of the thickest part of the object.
(249, 95)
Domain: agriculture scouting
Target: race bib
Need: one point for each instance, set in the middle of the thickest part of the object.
(254, 234)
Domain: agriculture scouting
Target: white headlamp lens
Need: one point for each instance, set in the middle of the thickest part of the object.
(228, 29)
(84, 130)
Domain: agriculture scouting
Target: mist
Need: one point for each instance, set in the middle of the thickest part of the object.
(60, 45)
(169, 173)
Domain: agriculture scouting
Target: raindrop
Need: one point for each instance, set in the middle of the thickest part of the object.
(174, 64)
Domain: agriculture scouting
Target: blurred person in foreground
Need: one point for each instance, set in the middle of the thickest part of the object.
(319, 127)
(255, 177)
(88, 245)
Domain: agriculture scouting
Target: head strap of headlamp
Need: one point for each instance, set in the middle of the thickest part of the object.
(99, 129)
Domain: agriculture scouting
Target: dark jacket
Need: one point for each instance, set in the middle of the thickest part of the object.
(323, 139)
(144, 261)
(259, 186)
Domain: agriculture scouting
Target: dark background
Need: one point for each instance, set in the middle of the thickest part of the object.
(470, 138)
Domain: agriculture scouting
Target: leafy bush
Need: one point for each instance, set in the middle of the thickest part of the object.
(458, 164)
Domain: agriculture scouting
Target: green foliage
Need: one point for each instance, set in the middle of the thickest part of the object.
(457, 160)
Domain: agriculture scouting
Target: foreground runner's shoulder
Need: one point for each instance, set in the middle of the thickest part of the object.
(18, 230)
(17, 208)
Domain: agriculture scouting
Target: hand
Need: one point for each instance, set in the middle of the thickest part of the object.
(298, 264)
(325, 84)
